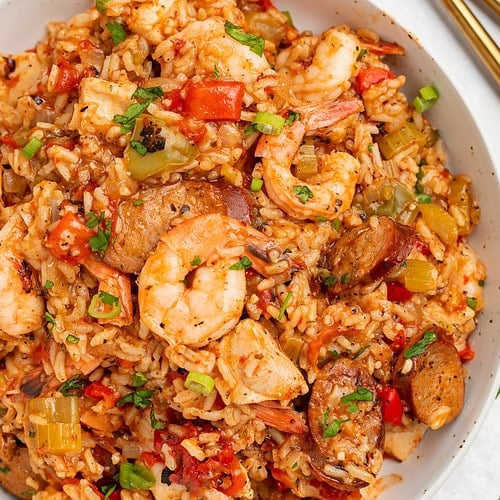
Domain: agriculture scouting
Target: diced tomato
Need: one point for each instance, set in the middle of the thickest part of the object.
(176, 101)
(467, 353)
(69, 240)
(392, 406)
(283, 480)
(399, 341)
(67, 79)
(265, 299)
(396, 292)
(214, 100)
(97, 390)
(151, 458)
(370, 76)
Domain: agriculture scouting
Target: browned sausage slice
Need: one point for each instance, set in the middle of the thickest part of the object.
(367, 253)
(345, 421)
(432, 380)
(150, 212)
(18, 469)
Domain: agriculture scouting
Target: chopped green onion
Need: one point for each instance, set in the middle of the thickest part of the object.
(266, 123)
(49, 284)
(361, 351)
(303, 193)
(472, 302)
(419, 347)
(31, 147)
(138, 380)
(96, 309)
(108, 489)
(138, 203)
(256, 185)
(283, 307)
(336, 224)
(292, 116)
(334, 354)
(117, 32)
(243, 263)
(4, 470)
(320, 218)
(256, 43)
(72, 339)
(344, 279)
(135, 477)
(427, 98)
(199, 382)
(216, 71)
(329, 279)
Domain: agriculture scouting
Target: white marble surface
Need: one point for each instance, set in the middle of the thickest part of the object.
(477, 476)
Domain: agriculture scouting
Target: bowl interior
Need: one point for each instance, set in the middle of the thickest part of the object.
(22, 24)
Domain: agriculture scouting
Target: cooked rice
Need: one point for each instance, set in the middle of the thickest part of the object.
(135, 407)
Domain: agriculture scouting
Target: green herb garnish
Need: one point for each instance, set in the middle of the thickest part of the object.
(419, 347)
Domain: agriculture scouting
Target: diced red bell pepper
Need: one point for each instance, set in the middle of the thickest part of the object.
(392, 406)
(370, 76)
(396, 292)
(69, 240)
(214, 100)
(151, 458)
(97, 390)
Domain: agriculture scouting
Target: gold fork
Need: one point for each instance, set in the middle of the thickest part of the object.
(479, 38)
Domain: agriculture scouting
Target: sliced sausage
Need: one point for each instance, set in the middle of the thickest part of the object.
(19, 469)
(142, 219)
(432, 382)
(350, 458)
(367, 253)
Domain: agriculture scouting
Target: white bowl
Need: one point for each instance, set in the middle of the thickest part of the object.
(467, 117)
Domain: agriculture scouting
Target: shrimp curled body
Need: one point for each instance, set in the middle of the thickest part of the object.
(190, 291)
(331, 190)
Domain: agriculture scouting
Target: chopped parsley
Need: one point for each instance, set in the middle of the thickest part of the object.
(472, 303)
(256, 43)
(361, 54)
(360, 394)
(148, 95)
(140, 399)
(49, 318)
(420, 347)
(101, 5)
(73, 386)
(99, 242)
(333, 428)
(139, 379)
(117, 32)
(139, 147)
(156, 424)
(243, 263)
(303, 193)
(196, 261)
(344, 279)
(329, 279)
(287, 300)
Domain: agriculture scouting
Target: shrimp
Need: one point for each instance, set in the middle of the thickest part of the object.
(325, 194)
(115, 283)
(205, 45)
(189, 289)
(328, 74)
(22, 306)
(255, 369)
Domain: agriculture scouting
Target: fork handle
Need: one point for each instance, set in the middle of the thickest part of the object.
(481, 41)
